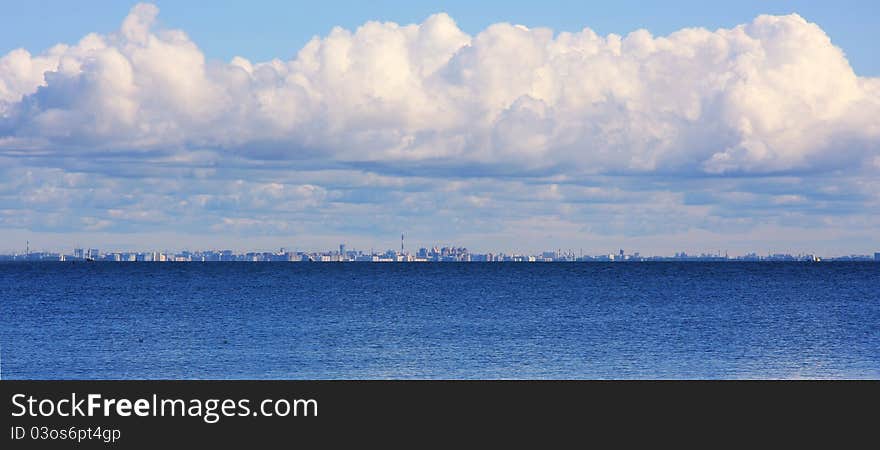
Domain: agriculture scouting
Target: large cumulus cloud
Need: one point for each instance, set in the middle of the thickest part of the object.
(771, 96)
(759, 137)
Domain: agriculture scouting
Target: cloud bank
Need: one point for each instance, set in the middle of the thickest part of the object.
(406, 108)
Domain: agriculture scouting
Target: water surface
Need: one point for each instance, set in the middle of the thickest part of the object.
(445, 320)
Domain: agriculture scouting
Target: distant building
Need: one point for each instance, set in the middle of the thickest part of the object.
(79, 253)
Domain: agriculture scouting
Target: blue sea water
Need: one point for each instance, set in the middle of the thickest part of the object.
(447, 320)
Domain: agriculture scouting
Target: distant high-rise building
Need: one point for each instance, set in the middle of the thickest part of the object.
(78, 253)
(94, 253)
(342, 249)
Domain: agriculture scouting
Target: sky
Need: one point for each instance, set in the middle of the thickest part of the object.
(512, 126)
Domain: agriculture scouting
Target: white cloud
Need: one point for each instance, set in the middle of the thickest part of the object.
(514, 136)
(773, 95)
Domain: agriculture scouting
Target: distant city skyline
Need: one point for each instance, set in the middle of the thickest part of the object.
(662, 127)
(418, 253)
(135, 243)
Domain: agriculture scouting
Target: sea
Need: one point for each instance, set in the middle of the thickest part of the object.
(235, 320)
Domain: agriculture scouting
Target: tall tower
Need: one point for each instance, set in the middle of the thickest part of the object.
(401, 243)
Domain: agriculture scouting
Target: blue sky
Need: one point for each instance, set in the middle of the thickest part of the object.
(261, 29)
(515, 126)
